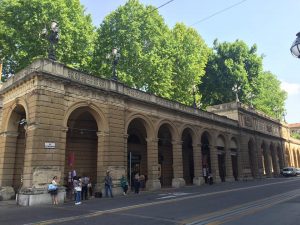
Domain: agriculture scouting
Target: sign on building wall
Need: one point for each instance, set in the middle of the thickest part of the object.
(49, 145)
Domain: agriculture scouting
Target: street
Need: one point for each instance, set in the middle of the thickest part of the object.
(267, 201)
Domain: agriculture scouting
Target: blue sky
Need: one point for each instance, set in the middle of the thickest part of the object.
(271, 24)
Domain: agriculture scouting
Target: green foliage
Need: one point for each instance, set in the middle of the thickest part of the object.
(230, 64)
(190, 54)
(295, 135)
(22, 21)
(270, 97)
(143, 39)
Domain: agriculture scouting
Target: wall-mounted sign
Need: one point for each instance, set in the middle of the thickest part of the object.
(49, 145)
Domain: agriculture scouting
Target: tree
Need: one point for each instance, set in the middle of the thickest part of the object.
(143, 40)
(190, 54)
(21, 22)
(230, 64)
(270, 97)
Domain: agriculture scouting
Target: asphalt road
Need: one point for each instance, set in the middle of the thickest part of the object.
(268, 201)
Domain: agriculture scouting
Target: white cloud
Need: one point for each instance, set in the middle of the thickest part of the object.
(290, 88)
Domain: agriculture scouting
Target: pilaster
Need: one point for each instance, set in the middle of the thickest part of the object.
(153, 182)
(178, 180)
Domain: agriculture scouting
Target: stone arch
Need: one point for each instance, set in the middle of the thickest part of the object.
(295, 157)
(274, 156)
(85, 122)
(167, 135)
(288, 157)
(138, 128)
(96, 112)
(221, 152)
(8, 126)
(15, 128)
(265, 157)
(187, 138)
(280, 156)
(233, 146)
(206, 145)
(252, 157)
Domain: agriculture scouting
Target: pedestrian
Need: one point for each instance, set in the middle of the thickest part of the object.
(90, 188)
(77, 189)
(124, 184)
(53, 190)
(136, 183)
(84, 192)
(108, 185)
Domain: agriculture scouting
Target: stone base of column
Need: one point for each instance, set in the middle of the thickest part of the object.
(7, 193)
(31, 197)
(153, 185)
(178, 182)
(198, 181)
(229, 179)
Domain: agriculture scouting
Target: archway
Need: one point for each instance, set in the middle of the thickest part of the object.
(221, 157)
(234, 157)
(265, 164)
(288, 157)
(165, 155)
(81, 144)
(136, 149)
(279, 155)
(205, 151)
(17, 145)
(187, 156)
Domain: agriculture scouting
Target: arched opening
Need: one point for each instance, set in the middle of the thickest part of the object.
(81, 145)
(137, 151)
(264, 159)
(205, 151)
(273, 158)
(279, 155)
(17, 146)
(288, 157)
(251, 153)
(165, 156)
(221, 157)
(187, 157)
(234, 158)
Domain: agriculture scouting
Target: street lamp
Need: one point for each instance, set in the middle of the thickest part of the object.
(115, 56)
(236, 89)
(295, 49)
(52, 38)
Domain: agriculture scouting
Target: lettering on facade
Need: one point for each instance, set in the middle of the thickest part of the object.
(136, 93)
(248, 121)
(86, 79)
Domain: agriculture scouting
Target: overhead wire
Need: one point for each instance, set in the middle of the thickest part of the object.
(219, 12)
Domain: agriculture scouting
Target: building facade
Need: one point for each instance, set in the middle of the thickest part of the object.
(54, 119)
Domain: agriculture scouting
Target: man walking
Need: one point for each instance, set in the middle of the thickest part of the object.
(108, 185)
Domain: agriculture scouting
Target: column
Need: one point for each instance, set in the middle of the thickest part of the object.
(153, 182)
(198, 178)
(101, 162)
(228, 162)
(178, 180)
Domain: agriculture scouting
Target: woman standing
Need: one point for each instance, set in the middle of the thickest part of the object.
(54, 191)
(77, 189)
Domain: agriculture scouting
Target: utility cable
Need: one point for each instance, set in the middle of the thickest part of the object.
(218, 12)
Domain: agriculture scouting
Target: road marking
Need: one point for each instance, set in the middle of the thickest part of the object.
(102, 212)
(173, 195)
(239, 211)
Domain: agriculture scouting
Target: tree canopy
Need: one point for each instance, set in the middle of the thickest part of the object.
(172, 63)
(22, 21)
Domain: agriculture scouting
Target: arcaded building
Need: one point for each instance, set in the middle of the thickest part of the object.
(54, 119)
